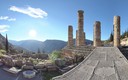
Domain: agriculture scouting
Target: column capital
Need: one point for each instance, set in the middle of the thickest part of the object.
(80, 11)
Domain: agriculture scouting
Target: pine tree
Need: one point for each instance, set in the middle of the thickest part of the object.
(22, 51)
(111, 37)
(124, 34)
(127, 33)
(6, 44)
(38, 50)
(43, 51)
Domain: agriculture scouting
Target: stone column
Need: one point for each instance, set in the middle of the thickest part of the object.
(80, 35)
(80, 20)
(116, 26)
(70, 36)
(97, 34)
(84, 37)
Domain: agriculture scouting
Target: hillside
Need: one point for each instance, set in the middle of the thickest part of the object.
(2, 45)
(124, 42)
(31, 45)
(47, 46)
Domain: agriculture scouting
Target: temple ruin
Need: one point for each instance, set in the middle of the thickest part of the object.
(99, 62)
(116, 26)
(97, 34)
(79, 47)
(80, 34)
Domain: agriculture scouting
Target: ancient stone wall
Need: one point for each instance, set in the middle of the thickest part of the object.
(116, 26)
(97, 34)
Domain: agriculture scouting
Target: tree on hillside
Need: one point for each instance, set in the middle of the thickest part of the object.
(43, 51)
(111, 37)
(6, 44)
(38, 50)
(124, 34)
(22, 51)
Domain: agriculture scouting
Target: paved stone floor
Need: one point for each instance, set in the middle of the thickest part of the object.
(9, 76)
(104, 63)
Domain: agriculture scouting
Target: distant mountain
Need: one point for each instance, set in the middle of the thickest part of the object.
(31, 45)
(52, 45)
(47, 46)
(87, 42)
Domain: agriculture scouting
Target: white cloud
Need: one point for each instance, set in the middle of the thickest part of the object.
(4, 28)
(33, 12)
(7, 18)
(12, 19)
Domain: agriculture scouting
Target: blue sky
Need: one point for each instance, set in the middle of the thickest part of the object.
(50, 18)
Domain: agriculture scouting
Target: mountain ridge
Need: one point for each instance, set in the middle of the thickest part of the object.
(45, 46)
(33, 45)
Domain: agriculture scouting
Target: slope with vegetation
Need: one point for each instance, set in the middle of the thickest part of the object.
(5, 45)
(123, 38)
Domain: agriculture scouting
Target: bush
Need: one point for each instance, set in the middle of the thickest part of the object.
(2, 51)
(54, 55)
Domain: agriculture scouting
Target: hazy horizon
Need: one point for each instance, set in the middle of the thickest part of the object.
(41, 20)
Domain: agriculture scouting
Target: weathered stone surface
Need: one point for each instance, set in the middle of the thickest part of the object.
(70, 36)
(60, 62)
(69, 60)
(51, 68)
(1, 63)
(29, 63)
(102, 64)
(8, 61)
(18, 63)
(97, 34)
(80, 35)
(27, 67)
(116, 26)
(67, 52)
(41, 56)
(76, 54)
(39, 66)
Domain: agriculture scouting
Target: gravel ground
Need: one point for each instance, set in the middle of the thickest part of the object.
(9, 76)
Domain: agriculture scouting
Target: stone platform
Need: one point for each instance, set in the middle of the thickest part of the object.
(104, 63)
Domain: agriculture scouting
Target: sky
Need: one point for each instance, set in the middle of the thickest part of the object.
(49, 19)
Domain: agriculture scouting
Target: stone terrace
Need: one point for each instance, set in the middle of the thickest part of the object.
(104, 63)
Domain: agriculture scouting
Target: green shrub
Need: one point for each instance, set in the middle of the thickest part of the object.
(2, 51)
(54, 55)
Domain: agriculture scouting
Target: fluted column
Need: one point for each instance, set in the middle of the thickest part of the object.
(70, 36)
(80, 35)
(116, 26)
(97, 34)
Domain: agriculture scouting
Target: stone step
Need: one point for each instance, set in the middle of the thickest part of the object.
(101, 64)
